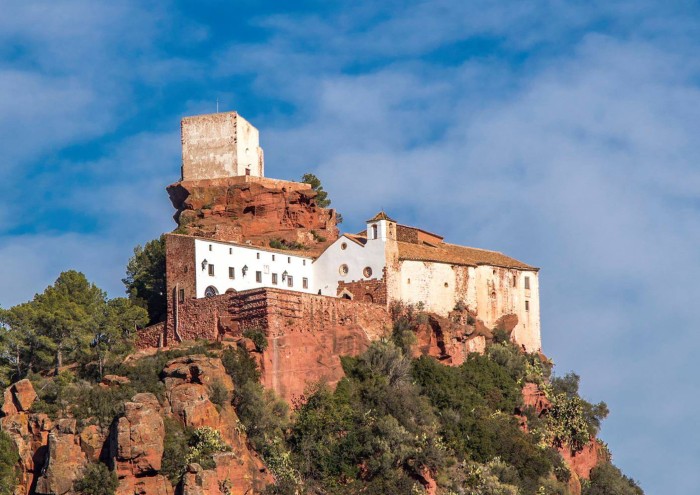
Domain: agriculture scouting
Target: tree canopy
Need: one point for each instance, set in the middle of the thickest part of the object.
(145, 279)
(321, 195)
(71, 321)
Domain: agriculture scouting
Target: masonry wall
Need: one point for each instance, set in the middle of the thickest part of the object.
(179, 276)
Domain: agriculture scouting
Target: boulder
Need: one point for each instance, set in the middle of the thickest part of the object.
(65, 461)
(137, 437)
(18, 397)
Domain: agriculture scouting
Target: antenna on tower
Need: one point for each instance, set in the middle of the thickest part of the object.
(217, 105)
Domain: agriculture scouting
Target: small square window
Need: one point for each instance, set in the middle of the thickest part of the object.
(527, 283)
(231, 272)
(258, 276)
(305, 283)
(290, 282)
(211, 269)
(527, 305)
(181, 295)
(274, 279)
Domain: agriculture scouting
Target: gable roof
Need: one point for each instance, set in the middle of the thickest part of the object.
(458, 255)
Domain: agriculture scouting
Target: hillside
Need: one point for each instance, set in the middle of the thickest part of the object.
(196, 420)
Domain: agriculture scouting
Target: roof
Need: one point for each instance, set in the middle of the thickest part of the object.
(381, 216)
(358, 239)
(458, 255)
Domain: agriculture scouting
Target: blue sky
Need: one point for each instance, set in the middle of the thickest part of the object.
(562, 133)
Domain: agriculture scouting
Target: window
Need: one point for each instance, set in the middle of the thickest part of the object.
(343, 269)
(408, 282)
(181, 296)
(446, 285)
(305, 283)
(367, 272)
(527, 283)
(527, 305)
(289, 259)
(273, 257)
(231, 272)
(343, 245)
(211, 270)
(303, 262)
(290, 281)
(374, 232)
(211, 291)
(210, 248)
(230, 250)
(258, 276)
(515, 280)
(257, 255)
(274, 279)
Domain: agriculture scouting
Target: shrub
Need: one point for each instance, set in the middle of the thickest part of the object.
(258, 337)
(97, 480)
(175, 450)
(203, 444)
(9, 457)
(219, 394)
(240, 366)
(607, 479)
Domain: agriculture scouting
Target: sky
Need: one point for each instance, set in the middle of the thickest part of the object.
(562, 133)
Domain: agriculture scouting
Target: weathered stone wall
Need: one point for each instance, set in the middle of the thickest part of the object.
(151, 336)
(179, 276)
(369, 291)
(220, 145)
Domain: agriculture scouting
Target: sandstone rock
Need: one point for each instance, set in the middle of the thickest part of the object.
(254, 209)
(18, 397)
(137, 438)
(190, 402)
(582, 461)
(197, 369)
(65, 461)
(92, 441)
(535, 398)
(114, 380)
(148, 485)
(447, 340)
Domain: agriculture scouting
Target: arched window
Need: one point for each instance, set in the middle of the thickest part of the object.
(211, 291)
(374, 231)
(369, 298)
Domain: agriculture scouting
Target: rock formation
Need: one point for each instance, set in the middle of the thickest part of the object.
(256, 210)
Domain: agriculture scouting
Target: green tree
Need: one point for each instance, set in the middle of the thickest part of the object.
(321, 195)
(116, 331)
(145, 278)
(97, 480)
(607, 479)
(8, 464)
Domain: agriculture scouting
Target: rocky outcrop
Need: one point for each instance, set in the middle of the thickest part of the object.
(447, 340)
(18, 397)
(252, 209)
(65, 461)
(137, 437)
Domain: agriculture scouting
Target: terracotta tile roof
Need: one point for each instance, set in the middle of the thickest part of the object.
(359, 239)
(380, 216)
(458, 255)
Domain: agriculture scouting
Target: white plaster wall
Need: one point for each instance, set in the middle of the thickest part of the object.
(356, 257)
(497, 296)
(248, 151)
(424, 282)
(225, 255)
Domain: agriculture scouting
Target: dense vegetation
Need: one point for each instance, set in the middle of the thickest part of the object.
(392, 425)
(145, 279)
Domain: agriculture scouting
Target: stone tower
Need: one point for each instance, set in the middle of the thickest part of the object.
(220, 145)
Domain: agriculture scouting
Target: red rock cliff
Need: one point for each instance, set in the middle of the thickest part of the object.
(253, 209)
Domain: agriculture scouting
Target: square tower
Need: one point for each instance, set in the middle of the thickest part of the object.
(220, 145)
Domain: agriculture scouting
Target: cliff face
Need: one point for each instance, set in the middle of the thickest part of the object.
(55, 453)
(252, 209)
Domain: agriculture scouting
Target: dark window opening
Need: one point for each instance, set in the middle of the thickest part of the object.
(211, 269)
(258, 276)
(274, 279)
(181, 296)
(231, 272)
(527, 283)
(305, 283)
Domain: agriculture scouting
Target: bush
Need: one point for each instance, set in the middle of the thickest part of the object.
(219, 394)
(258, 337)
(240, 366)
(97, 480)
(607, 479)
(175, 450)
(9, 457)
